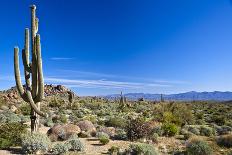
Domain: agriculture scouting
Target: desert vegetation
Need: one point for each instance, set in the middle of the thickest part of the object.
(116, 127)
(95, 125)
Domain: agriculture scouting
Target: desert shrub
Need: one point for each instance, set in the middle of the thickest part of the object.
(219, 120)
(207, 131)
(225, 140)
(48, 122)
(120, 134)
(56, 102)
(10, 134)
(198, 147)
(113, 150)
(24, 119)
(2, 101)
(9, 117)
(63, 118)
(199, 115)
(183, 114)
(25, 109)
(3, 118)
(60, 148)
(158, 130)
(222, 130)
(177, 113)
(154, 137)
(168, 117)
(103, 138)
(142, 148)
(194, 130)
(116, 122)
(75, 143)
(137, 128)
(34, 142)
(169, 129)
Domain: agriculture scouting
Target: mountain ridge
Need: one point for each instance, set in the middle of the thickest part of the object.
(187, 96)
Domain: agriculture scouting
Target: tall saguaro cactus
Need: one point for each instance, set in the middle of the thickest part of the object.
(33, 93)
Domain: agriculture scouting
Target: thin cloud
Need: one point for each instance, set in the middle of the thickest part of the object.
(88, 74)
(107, 84)
(102, 75)
(61, 58)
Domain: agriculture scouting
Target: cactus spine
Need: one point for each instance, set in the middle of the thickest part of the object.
(34, 87)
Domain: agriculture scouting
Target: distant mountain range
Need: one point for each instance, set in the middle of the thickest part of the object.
(188, 96)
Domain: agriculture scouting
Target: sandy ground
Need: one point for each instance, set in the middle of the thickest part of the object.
(93, 147)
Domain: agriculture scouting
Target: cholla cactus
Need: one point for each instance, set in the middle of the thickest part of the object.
(34, 87)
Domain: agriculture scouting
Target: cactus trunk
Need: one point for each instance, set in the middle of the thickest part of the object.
(34, 87)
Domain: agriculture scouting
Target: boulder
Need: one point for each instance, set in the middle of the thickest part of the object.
(111, 131)
(87, 126)
(62, 132)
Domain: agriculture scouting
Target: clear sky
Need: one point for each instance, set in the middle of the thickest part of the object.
(101, 47)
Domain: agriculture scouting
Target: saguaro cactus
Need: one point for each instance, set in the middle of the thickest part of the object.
(33, 93)
(70, 97)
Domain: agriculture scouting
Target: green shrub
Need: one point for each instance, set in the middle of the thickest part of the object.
(24, 119)
(34, 142)
(141, 148)
(117, 122)
(63, 118)
(198, 147)
(9, 117)
(56, 102)
(103, 138)
(25, 109)
(75, 143)
(120, 134)
(48, 122)
(10, 134)
(194, 130)
(60, 148)
(225, 140)
(158, 130)
(207, 131)
(113, 150)
(169, 129)
(219, 120)
(155, 137)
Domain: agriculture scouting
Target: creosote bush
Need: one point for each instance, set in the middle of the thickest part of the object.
(198, 147)
(142, 149)
(103, 138)
(10, 134)
(61, 148)
(34, 142)
(207, 131)
(169, 129)
(75, 143)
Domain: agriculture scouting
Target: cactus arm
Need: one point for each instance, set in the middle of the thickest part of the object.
(36, 25)
(17, 74)
(34, 56)
(40, 95)
(27, 69)
(33, 105)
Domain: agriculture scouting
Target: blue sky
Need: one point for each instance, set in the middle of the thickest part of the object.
(98, 47)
